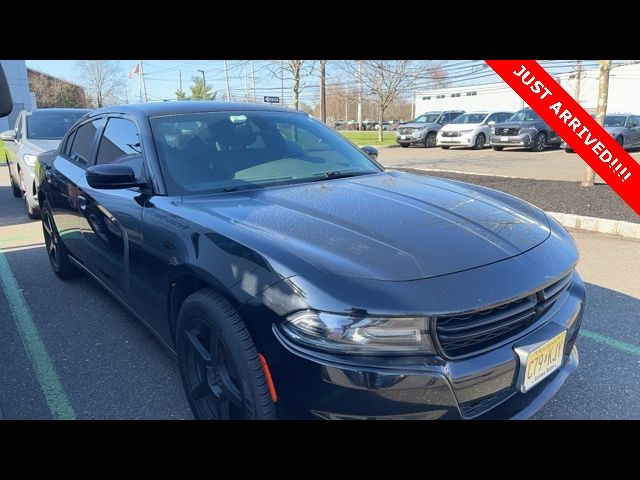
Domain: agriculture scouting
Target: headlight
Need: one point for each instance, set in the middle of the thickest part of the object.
(364, 335)
(30, 160)
(465, 132)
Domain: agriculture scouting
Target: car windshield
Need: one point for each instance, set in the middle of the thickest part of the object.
(614, 120)
(427, 118)
(50, 125)
(226, 151)
(524, 116)
(470, 118)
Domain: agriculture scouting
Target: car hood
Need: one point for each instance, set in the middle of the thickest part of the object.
(420, 125)
(40, 146)
(389, 226)
(528, 124)
(457, 127)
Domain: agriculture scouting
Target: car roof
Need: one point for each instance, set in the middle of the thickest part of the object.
(61, 110)
(153, 109)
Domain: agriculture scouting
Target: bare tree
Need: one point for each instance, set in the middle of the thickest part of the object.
(103, 80)
(297, 71)
(388, 80)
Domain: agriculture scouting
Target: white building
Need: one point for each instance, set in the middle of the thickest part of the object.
(16, 73)
(624, 93)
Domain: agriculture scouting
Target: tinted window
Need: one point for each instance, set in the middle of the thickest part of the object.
(470, 118)
(51, 125)
(503, 117)
(120, 143)
(427, 118)
(615, 120)
(236, 150)
(83, 142)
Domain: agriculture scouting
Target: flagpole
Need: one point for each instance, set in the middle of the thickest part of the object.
(144, 83)
(140, 82)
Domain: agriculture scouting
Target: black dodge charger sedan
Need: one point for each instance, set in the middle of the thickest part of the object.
(293, 277)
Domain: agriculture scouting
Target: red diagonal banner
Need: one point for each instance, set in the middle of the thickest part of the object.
(574, 125)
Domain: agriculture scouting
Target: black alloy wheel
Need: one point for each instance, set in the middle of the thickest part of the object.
(56, 250)
(221, 373)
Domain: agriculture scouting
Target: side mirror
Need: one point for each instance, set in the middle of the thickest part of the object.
(632, 125)
(8, 135)
(6, 102)
(112, 176)
(371, 151)
(491, 123)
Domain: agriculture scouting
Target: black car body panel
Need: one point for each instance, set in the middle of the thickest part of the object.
(387, 243)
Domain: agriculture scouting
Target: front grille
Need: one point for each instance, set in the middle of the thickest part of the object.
(450, 134)
(405, 130)
(507, 131)
(471, 333)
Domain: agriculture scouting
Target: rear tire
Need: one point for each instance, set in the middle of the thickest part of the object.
(56, 251)
(498, 149)
(445, 147)
(221, 372)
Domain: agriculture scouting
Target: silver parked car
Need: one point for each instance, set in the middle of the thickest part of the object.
(623, 127)
(36, 132)
(470, 129)
(423, 129)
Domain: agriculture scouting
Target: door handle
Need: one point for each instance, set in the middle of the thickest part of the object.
(82, 202)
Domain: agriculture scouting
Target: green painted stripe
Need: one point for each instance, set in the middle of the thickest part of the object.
(45, 372)
(18, 238)
(610, 342)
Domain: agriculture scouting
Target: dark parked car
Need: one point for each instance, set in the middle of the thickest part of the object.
(623, 127)
(524, 129)
(423, 130)
(294, 277)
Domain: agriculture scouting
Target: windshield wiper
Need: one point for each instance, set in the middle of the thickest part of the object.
(331, 174)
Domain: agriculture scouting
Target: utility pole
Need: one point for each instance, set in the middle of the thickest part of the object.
(323, 98)
(226, 77)
(253, 81)
(578, 81)
(359, 94)
(126, 95)
(282, 82)
(601, 111)
(180, 77)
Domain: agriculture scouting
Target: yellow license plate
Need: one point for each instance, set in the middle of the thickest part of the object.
(543, 361)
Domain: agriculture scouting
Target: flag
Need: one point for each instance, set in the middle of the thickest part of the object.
(135, 70)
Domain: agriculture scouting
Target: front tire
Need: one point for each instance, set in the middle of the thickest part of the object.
(445, 147)
(541, 142)
(15, 190)
(480, 142)
(32, 212)
(430, 140)
(219, 364)
(56, 251)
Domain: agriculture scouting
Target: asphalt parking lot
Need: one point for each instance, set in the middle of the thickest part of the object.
(68, 350)
(552, 164)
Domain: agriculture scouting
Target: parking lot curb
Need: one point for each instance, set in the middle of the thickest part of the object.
(599, 225)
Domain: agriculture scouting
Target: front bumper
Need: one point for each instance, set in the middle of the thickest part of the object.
(464, 141)
(411, 139)
(482, 386)
(523, 140)
(27, 183)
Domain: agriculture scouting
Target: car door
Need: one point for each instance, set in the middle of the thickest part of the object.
(68, 167)
(110, 220)
(635, 129)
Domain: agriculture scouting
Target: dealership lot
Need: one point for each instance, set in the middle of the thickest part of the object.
(552, 164)
(110, 366)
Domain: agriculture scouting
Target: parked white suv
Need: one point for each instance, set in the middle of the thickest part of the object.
(470, 129)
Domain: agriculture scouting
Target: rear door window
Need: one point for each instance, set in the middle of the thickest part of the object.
(82, 145)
